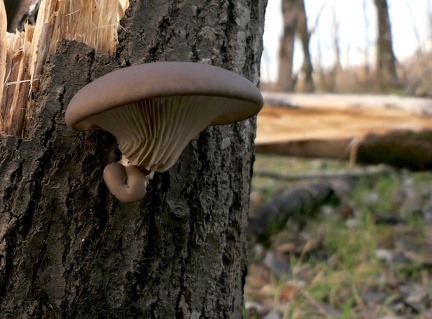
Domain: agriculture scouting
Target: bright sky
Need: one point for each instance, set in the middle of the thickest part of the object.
(409, 20)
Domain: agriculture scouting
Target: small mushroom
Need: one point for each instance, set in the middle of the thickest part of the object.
(127, 182)
(154, 110)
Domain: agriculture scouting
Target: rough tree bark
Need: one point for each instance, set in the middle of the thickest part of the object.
(387, 76)
(69, 249)
(286, 80)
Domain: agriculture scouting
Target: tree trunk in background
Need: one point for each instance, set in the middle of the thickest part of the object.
(304, 34)
(331, 79)
(366, 67)
(286, 80)
(387, 77)
(69, 249)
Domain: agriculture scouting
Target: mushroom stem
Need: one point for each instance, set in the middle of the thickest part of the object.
(125, 162)
(126, 182)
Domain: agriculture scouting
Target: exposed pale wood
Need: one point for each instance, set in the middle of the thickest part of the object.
(91, 22)
(94, 23)
(370, 129)
(3, 51)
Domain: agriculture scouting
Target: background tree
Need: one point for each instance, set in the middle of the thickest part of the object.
(367, 41)
(286, 79)
(387, 76)
(68, 248)
(295, 23)
(335, 69)
(305, 35)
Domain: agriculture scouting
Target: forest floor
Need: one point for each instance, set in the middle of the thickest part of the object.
(367, 255)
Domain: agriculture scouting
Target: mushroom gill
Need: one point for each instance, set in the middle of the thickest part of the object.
(152, 133)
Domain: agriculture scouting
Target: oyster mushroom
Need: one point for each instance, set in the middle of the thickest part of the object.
(154, 110)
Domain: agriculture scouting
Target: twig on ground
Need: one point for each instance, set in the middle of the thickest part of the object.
(351, 173)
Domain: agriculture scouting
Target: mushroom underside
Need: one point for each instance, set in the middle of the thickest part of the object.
(153, 133)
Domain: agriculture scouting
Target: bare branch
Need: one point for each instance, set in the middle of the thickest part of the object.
(312, 30)
(415, 28)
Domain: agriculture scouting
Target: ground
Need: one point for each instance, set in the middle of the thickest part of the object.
(369, 256)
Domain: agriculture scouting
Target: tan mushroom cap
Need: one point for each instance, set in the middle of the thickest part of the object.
(155, 109)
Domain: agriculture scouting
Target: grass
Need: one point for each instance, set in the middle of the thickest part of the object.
(370, 263)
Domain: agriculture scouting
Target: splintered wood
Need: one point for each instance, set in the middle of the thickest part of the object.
(16, 106)
(3, 48)
(23, 54)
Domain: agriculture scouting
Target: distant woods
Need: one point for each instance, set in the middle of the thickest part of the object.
(383, 77)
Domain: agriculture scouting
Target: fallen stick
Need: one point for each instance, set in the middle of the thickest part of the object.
(303, 202)
(298, 203)
(351, 173)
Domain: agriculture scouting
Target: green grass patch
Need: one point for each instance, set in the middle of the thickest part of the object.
(347, 263)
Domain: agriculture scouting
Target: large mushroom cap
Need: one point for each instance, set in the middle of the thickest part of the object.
(155, 109)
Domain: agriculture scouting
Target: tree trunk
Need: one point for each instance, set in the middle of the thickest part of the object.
(286, 79)
(304, 34)
(69, 249)
(366, 67)
(387, 77)
(331, 79)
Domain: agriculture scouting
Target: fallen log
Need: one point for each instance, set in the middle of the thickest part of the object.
(302, 202)
(414, 105)
(372, 130)
(299, 202)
